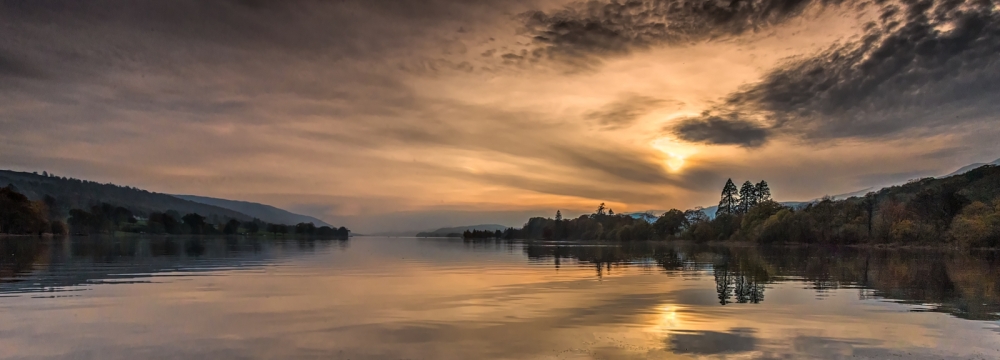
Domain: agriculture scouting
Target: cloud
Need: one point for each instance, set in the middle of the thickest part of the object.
(595, 29)
(17, 68)
(382, 106)
(624, 112)
(924, 66)
(715, 130)
(713, 342)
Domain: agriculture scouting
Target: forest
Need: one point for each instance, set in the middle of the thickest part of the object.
(961, 210)
(21, 216)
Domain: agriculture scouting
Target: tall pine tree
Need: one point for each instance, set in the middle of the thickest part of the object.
(763, 192)
(748, 197)
(728, 204)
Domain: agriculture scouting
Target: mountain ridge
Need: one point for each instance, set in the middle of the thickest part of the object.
(72, 193)
(82, 194)
(268, 213)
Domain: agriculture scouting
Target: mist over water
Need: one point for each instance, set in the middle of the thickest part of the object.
(406, 298)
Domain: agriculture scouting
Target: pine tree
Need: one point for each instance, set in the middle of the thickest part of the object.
(611, 212)
(763, 192)
(558, 215)
(600, 209)
(728, 203)
(748, 197)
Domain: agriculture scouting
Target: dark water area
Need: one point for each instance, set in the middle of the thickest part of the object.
(406, 298)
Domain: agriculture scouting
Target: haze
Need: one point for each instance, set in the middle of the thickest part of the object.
(401, 115)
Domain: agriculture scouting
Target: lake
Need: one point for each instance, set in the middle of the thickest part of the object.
(406, 298)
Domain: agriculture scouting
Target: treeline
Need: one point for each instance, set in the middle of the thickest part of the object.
(482, 234)
(21, 216)
(962, 210)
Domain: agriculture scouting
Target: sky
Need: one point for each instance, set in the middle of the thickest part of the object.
(411, 115)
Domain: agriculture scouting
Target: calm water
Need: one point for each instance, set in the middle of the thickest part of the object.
(379, 298)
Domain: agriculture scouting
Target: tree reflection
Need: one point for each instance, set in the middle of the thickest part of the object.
(33, 264)
(961, 283)
(742, 278)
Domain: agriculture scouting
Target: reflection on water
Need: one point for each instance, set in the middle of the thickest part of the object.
(379, 298)
(32, 265)
(964, 284)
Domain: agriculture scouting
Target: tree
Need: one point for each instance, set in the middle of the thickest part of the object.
(53, 205)
(79, 221)
(869, 203)
(558, 215)
(18, 215)
(343, 233)
(58, 228)
(728, 203)
(232, 227)
(305, 228)
(252, 227)
(611, 212)
(763, 192)
(196, 223)
(670, 223)
(600, 209)
(748, 197)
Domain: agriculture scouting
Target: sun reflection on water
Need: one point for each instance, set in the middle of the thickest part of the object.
(666, 319)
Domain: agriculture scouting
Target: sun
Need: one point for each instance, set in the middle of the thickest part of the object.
(676, 152)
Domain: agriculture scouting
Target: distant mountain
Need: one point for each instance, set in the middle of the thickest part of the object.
(971, 167)
(81, 194)
(849, 195)
(650, 216)
(711, 210)
(267, 213)
(445, 232)
(862, 192)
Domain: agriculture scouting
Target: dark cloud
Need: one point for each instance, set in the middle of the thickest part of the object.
(17, 68)
(617, 163)
(713, 342)
(924, 66)
(602, 29)
(624, 112)
(716, 130)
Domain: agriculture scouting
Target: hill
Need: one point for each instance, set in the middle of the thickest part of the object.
(82, 194)
(959, 211)
(457, 231)
(861, 193)
(266, 213)
(971, 167)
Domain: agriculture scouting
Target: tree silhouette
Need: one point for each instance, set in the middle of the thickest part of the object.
(670, 223)
(763, 192)
(232, 227)
(728, 203)
(748, 197)
(558, 215)
(195, 223)
(600, 209)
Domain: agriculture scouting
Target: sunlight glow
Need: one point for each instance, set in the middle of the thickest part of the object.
(666, 319)
(675, 151)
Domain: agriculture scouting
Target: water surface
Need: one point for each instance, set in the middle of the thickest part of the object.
(404, 298)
